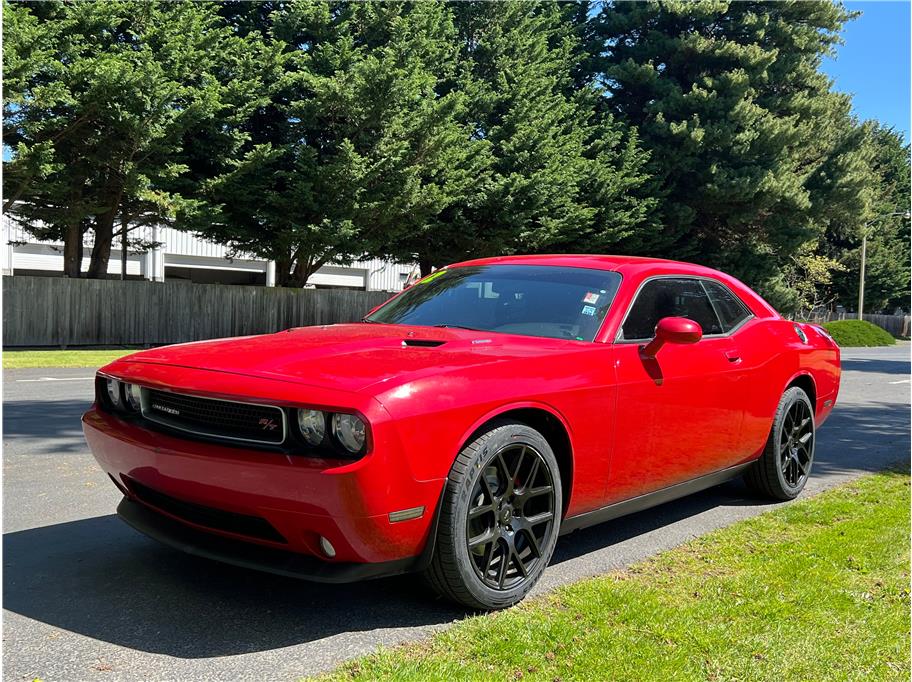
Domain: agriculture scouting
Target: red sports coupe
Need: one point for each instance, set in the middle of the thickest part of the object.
(462, 426)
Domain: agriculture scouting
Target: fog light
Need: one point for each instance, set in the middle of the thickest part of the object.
(327, 547)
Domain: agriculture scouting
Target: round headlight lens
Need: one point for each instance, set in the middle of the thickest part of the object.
(349, 430)
(113, 386)
(132, 393)
(313, 426)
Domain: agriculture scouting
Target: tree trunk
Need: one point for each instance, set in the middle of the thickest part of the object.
(295, 270)
(124, 233)
(306, 265)
(283, 271)
(425, 264)
(72, 250)
(303, 269)
(101, 252)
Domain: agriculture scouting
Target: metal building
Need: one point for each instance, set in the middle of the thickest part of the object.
(183, 256)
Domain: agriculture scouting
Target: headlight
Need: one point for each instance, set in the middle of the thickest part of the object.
(113, 386)
(132, 391)
(313, 426)
(349, 430)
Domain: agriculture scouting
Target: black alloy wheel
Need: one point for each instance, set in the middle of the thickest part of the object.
(511, 516)
(782, 470)
(796, 444)
(499, 519)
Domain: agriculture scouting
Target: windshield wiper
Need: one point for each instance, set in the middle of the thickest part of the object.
(458, 326)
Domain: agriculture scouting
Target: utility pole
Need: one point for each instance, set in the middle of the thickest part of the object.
(864, 253)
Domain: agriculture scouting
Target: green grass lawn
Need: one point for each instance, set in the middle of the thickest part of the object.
(849, 333)
(18, 359)
(816, 590)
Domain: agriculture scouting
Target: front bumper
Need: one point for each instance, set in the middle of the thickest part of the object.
(301, 498)
(281, 562)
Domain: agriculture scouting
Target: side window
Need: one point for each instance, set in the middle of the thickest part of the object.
(669, 297)
(730, 309)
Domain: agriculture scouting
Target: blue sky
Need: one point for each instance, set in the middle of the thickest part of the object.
(873, 65)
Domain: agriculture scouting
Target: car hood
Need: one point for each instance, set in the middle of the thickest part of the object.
(353, 357)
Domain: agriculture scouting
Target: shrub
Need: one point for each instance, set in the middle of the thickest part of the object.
(858, 333)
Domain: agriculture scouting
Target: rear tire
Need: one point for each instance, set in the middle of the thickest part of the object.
(783, 469)
(499, 519)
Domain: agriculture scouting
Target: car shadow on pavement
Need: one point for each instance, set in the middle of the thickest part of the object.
(45, 426)
(875, 365)
(99, 578)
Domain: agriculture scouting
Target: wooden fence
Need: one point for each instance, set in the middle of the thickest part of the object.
(56, 311)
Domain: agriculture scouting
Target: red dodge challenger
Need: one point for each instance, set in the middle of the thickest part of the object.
(465, 424)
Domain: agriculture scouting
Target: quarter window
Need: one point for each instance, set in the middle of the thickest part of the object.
(669, 297)
(730, 309)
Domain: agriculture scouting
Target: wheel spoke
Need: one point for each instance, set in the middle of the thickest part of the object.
(788, 424)
(519, 463)
(535, 492)
(482, 539)
(505, 471)
(806, 437)
(504, 565)
(533, 474)
(489, 557)
(487, 487)
(533, 542)
(539, 518)
(520, 566)
(475, 512)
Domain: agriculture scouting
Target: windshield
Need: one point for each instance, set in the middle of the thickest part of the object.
(533, 300)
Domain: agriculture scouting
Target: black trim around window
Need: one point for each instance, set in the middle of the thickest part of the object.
(618, 336)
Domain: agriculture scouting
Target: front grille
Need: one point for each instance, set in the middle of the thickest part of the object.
(215, 418)
(208, 517)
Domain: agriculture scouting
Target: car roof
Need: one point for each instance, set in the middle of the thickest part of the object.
(638, 267)
(597, 262)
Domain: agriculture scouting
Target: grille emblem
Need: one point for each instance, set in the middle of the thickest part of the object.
(165, 408)
(268, 424)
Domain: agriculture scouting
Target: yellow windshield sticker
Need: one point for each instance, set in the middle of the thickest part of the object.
(431, 277)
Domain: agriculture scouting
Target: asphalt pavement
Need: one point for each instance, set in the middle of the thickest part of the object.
(87, 598)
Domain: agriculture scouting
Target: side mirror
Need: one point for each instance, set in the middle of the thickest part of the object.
(672, 330)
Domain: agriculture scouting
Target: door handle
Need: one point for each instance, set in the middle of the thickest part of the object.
(733, 356)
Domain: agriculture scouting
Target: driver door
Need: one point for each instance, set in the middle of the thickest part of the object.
(679, 414)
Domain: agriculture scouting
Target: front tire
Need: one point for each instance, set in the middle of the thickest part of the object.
(499, 520)
(783, 469)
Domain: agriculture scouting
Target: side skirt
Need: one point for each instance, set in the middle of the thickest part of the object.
(635, 504)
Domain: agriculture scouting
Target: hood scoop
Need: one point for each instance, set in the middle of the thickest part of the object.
(421, 343)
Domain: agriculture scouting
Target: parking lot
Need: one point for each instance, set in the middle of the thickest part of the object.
(86, 597)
